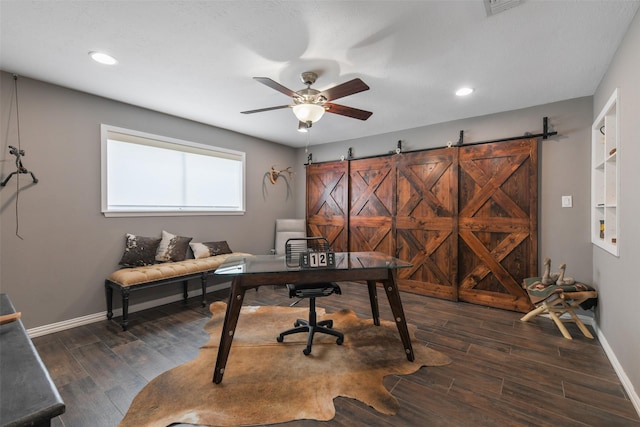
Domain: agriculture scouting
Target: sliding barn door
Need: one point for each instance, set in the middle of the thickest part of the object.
(372, 196)
(426, 221)
(465, 217)
(327, 201)
(498, 201)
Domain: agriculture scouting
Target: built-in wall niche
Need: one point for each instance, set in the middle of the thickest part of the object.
(605, 177)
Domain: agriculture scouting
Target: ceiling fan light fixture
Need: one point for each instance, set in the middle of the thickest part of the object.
(308, 112)
(304, 127)
(103, 58)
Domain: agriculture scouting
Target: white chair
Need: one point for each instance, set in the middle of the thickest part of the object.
(287, 229)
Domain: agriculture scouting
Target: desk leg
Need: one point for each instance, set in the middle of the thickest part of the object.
(373, 298)
(391, 288)
(230, 322)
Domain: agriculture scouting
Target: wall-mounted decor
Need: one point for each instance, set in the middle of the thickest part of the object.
(18, 152)
(273, 175)
(19, 167)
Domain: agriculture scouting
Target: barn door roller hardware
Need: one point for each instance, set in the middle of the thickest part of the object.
(544, 135)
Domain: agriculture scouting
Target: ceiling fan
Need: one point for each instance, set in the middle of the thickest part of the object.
(310, 104)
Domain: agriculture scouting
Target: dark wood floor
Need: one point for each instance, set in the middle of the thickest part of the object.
(504, 372)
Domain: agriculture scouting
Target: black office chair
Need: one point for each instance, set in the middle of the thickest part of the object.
(294, 248)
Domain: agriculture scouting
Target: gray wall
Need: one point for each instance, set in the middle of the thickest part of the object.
(565, 163)
(49, 278)
(616, 277)
(564, 169)
(57, 272)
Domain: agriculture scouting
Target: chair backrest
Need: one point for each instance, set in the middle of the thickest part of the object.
(296, 246)
(287, 229)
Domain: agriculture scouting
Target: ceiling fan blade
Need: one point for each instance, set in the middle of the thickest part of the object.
(345, 89)
(275, 85)
(347, 111)
(265, 109)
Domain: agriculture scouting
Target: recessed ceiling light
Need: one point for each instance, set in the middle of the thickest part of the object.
(103, 58)
(464, 91)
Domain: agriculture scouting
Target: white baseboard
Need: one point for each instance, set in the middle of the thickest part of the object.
(97, 317)
(624, 379)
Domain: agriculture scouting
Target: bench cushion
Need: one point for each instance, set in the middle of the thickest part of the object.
(151, 273)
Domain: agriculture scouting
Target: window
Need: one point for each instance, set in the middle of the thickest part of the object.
(151, 175)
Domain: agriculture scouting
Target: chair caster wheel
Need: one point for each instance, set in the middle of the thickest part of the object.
(280, 338)
(339, 341)
(306, 351)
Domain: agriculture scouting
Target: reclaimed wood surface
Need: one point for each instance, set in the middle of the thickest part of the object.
(371, 205)
(465, 217)
(327, 203)
(497, 223)
(426, 221)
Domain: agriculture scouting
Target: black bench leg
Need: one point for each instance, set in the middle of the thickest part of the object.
(203, 300)
(125, 308)
(109, 294)
(185, 290)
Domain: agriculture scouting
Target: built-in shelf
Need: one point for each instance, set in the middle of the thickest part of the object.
(605, 177)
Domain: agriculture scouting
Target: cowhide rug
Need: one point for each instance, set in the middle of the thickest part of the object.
(267, 382)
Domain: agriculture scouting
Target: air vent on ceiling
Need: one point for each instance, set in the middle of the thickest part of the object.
(496, 6)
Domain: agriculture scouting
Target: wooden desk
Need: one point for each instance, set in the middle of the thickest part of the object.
(28, 397)
(250, 272)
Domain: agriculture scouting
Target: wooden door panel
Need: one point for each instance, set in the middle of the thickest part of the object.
(327, 187)
(371, 207)
(465, 217)
(426, 222)
(497, 227)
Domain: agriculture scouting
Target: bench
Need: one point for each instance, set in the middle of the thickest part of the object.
(127, 280)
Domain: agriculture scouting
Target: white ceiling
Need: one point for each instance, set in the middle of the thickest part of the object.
(196, 59)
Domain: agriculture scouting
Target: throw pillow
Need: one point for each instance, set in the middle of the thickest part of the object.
(218, 248)
(139, 251)
(172, 248)
(200, 250)
(207, 249)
